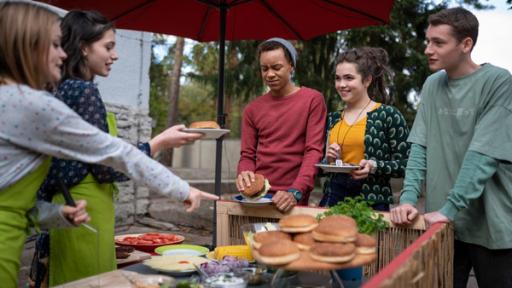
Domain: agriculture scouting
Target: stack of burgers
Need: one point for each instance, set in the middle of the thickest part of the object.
(332, 240)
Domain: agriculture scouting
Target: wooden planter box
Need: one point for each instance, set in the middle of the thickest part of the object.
(409, 256)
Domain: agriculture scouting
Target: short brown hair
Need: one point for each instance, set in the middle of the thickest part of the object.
(25, 41)
(464, 23)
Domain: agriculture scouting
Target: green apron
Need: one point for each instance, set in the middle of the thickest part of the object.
(76, 253)
(15, 202)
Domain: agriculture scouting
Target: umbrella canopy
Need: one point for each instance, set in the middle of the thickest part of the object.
(245, 19)
(221, 20)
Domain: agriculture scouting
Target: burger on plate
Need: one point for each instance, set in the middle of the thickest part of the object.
(204, 125)
(338, 228)
(278, 252)
(258, 188)
(299, 223)
(333, 252)
(261, 238)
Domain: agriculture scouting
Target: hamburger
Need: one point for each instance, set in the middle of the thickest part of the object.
(333, 252)
(304, 241)
(258, 188)
(366, 244)
(337, 228)
(278, 252)
(261, 238)
(299, 223)
(204, 125)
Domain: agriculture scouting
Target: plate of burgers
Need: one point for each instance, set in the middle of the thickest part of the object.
(256, 194)
(210, 129)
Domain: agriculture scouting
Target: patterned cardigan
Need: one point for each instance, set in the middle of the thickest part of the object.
(385, 142)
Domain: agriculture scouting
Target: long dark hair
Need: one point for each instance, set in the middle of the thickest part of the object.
(371, 61)
(79, 29)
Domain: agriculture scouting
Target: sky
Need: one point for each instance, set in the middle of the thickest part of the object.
(494, 41)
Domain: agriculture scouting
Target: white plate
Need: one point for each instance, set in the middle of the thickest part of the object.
(337, 169)
(265, 200)
(208, 133)
(178, 265)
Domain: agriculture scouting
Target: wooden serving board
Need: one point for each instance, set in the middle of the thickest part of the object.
(113, 279)
(306, 263)
(135, 256)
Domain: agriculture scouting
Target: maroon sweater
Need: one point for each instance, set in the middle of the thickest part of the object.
(283, 138)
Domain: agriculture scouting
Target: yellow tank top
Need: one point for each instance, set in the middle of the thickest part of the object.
(350, 138)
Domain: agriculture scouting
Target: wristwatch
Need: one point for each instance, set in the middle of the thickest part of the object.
(296, 194)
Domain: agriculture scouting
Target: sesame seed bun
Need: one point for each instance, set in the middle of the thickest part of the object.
(366, 244)
(278, 252)
(338, 228)
(333, 252)
(299, 223)
(268, 236)
(304, 240)
(204, 125)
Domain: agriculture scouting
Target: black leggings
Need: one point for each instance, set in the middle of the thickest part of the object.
(493, 268)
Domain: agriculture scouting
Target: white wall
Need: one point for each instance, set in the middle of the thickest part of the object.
(128, 82)
(201, 155)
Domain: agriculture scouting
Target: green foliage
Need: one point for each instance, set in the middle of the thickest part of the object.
(403, 38)
(368, 221)
(315, 66)
(241, 77)
(159, 81)
(196, 103)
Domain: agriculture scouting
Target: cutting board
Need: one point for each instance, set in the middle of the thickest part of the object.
(135, 256)
(114, 279)
(306, 263)
(120, 279)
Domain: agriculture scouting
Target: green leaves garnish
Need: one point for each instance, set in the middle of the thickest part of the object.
(368, 221)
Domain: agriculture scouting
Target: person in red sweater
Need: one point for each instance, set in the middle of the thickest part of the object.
(282, 130)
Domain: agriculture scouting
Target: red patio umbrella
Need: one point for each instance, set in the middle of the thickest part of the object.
(221, 20)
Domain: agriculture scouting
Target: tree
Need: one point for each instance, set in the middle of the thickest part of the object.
(158, 76)
(173, 94)
(403, 38)
(242, 80)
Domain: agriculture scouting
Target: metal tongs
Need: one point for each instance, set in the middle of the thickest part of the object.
(70, 202)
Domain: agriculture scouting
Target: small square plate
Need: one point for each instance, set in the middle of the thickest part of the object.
(208, 133)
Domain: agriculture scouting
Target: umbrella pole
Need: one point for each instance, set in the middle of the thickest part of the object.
(221, 118)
